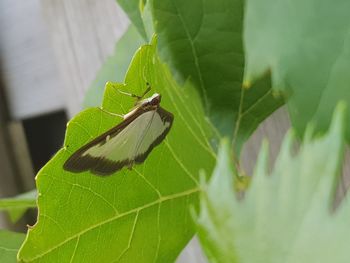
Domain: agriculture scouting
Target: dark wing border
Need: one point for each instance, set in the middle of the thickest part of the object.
(101, 166)
(77, 163)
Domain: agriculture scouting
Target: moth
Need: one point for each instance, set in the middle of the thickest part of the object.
(126, 144)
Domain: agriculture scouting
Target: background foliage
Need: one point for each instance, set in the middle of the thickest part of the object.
(305, 44)
(285, 215)
(9, 245)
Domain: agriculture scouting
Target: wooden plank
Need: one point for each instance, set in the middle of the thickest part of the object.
(9, 185)
(84, 33)
(192, 253)
(28, 68)
(21, 155)
(273, 129)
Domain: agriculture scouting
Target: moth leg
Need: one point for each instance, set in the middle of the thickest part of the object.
(112, 113)
(116, 87)
(129, 94)
(130, 166)
(134, 95)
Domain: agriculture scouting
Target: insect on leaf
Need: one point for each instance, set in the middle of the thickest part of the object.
(128, 143)
(137, 215)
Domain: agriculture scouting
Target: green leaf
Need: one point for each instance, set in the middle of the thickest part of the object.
(202, 40)
(305, 44)
(17, 205)
(115, 67)
(147, 18)
(134, 9)
(10, 242)
(138, 215)
(285, 215)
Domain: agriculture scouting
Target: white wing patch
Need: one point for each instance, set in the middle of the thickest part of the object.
(133, 141)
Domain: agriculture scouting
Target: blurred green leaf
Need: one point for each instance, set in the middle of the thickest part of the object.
(115, 67)
(147, 18)
(202, 41)
(133, 8)
(17, 205)
(138, 215)
(285, 216)
(306, 46)
(10, 243)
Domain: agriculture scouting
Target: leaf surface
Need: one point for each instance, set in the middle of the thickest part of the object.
(10, 242)
(285, 215)
(202, 41)
(138, 215)
(306, 46)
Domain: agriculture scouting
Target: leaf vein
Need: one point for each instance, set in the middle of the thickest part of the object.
(75, 249)
(130, 238)
(195, 56)
(148, 182)
(181, 164)
(189, 127)
(87, 189)
(116, 217)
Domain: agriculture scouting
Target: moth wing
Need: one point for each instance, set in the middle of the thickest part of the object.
(120, 146)
(156, 133)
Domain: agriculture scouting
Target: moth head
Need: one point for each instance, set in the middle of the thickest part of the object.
(155, 99)
(149, 103)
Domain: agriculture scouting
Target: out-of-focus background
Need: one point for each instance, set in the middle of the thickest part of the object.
(50, 52)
